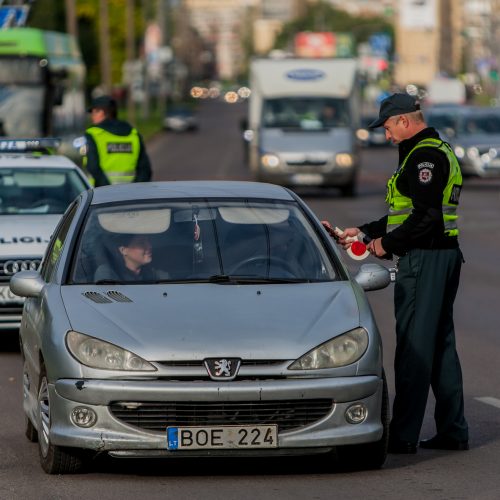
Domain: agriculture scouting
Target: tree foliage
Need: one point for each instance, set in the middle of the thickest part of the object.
(50, 15)
(323, 17)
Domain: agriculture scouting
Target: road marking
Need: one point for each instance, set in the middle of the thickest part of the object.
(490, 401)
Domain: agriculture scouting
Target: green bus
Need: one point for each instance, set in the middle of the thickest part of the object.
(42, 78)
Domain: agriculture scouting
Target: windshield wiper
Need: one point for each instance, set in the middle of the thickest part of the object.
(109, 282)
(228, 279)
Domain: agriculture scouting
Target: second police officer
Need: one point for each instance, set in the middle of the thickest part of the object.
(115, 151)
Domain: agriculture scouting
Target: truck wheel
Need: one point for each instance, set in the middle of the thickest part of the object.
(369, 455)
(54, 459)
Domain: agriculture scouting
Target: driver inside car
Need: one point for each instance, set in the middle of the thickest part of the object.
(134, 254)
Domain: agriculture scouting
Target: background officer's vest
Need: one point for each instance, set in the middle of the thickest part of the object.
(400, 206)
(118, 154)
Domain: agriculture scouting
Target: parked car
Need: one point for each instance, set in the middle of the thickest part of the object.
(35, 190)
(180, 119)
(474, 133)
(242, 333)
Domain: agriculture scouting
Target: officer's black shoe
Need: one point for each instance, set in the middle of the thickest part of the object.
(401, 447)
(444, 443)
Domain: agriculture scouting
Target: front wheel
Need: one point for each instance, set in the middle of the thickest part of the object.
(54, 459)
(369, 455)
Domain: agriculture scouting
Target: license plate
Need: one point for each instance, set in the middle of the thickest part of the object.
(222, 437)
(307, 179)
(7, 297)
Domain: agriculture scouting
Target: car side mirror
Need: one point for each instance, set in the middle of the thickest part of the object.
(27, 284)
(373, 277)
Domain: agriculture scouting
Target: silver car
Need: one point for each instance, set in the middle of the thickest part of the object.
(199, 319)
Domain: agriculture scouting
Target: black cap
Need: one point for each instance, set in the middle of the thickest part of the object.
(396, 104)
(105, 102)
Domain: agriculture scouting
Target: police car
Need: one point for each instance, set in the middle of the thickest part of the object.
(36, 187)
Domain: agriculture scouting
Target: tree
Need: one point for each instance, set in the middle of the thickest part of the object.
(50, 15)
(321, 16)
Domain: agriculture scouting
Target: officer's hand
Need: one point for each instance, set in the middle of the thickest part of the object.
(348, 236)
(375, 248)
(329, 228)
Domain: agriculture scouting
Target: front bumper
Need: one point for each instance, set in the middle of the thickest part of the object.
(335, 178)
(120, 439)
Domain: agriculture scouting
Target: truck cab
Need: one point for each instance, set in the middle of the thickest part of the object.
(303, 116)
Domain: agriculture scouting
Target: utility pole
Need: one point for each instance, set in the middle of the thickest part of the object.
(130, 55)
(71, 22)
(104, 46)
(160, 19)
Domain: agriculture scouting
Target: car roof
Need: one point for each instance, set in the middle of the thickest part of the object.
(20, 160)
(189, 189)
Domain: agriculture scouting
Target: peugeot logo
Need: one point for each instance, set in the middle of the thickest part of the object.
(222, 368)
(11, 267)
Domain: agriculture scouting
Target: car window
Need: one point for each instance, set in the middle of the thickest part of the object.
(198, 240)
(482, 124)
(305, 113)
(38, 190)
(56, 244)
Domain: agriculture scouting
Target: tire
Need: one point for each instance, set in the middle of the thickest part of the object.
(54, 459)
(29, 430)
(369, 455)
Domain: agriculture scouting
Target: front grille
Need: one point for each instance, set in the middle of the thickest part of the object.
(9, 309)
(244, 362)
(9, 267)
(157, 416)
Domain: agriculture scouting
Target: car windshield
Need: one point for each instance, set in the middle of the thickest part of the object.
(481, 124)
(305, 113)
(191, 241)
(442, 121)
(38, 190)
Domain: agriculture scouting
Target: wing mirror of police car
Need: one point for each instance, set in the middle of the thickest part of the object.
(373, 277)
(27, 284)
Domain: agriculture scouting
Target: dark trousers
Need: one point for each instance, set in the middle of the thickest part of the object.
(426, 286)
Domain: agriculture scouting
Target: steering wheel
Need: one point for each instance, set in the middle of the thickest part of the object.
(281, 263)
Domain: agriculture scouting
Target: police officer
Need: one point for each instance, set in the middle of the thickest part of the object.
(115, 151)
(421, 229)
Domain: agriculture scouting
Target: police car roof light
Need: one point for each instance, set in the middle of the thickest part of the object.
(41, 145)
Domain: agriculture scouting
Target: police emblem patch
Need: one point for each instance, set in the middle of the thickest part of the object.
(425, 176)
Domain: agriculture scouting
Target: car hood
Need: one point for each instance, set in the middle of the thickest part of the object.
(332, 141)
(26, 235)
(192, 322)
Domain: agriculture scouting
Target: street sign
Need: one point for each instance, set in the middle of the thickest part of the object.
(12, 16)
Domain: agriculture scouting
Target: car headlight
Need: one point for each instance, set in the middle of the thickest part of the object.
(340, 351)
(270, 161)
(344, 160)
(473, 153)
(362, 134)
(459, 151)
(99, 354)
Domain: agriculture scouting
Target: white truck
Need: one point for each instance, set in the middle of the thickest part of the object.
(303, 115)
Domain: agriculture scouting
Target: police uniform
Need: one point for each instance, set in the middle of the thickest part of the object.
(421, 229)
(115, 152)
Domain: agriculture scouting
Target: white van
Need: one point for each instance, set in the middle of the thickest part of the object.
(303, 115)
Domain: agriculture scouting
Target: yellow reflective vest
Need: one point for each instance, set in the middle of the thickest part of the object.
(118, 154)
(400, 206)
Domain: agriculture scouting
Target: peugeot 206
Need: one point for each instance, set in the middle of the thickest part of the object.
(199, 319)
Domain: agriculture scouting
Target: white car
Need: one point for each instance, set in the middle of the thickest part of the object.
(35, 190)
